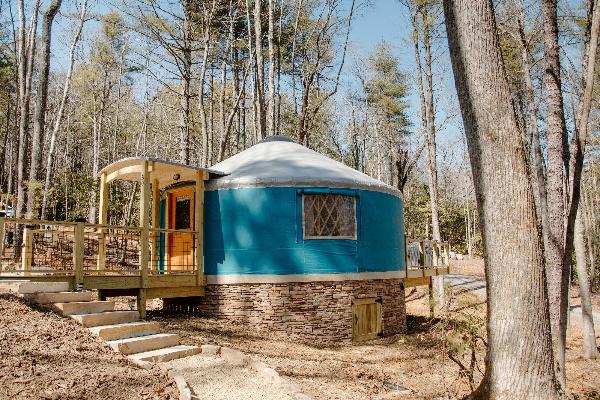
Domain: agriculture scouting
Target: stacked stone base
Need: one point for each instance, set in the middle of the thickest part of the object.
(308, 311)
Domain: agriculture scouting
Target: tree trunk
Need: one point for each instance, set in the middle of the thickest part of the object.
(271, 102)
(587, 316)
(557, 272)
(519, 363)
(538, 177)
(260, 72)
(438, 281)
(60, 112)
(39, 122)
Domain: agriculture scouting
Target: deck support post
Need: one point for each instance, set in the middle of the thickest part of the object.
(78, 245)
(103, 220)
(27, 251)
(141, 303)
(199, 222)
(145, 224)
(155, 224)
(431, 299)
(1, 236)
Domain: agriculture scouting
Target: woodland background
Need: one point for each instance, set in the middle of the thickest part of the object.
(199, 81)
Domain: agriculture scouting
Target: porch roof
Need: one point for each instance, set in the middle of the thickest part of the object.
(164, 171)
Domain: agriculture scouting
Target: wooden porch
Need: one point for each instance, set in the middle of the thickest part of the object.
(117, 260)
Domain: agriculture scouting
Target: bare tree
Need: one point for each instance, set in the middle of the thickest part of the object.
(61, 109)
(519, 362)
(39, 122)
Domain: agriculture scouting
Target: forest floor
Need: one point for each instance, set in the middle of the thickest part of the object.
(45, 356)
(419, 360)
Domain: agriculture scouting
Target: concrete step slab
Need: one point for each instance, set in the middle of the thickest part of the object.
(144, 343)
(106, 318)
(126, 330)
(166, 354)
(83, 307)
(60, 297)
(42, 287)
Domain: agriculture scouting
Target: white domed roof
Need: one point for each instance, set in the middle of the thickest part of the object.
(277, 161)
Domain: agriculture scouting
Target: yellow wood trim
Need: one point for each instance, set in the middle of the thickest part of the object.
(199, 226)
(78, 253)
(155, 223)
(130, 169)
(145, 222)
(27, 252)
(111, 282)
(170, 292)
(420, 281)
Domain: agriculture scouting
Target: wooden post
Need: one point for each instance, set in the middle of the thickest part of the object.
(431, 299)
(145, 224)
(447, 255)
(27, 251)
(422, 256)
(435, 250)
(78, 251)
(141, 303)
(155, 223)
(103, 219)
(1, 237)
(199, 222)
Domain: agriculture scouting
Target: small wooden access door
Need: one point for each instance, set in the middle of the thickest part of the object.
(366, 318)
(180, 255)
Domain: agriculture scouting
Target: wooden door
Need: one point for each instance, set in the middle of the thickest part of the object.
(366, 315)
(181, 217)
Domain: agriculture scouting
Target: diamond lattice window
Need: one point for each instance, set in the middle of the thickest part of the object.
(329, 216)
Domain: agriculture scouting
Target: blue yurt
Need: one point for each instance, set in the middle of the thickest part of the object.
(301, 246)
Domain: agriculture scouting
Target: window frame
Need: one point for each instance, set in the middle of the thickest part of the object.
(310, 237)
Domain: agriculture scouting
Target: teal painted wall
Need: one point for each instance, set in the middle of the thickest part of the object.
(259, 231)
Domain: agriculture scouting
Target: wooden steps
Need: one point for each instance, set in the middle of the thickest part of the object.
(83, 307)
(106, 318)
(141, 344)
(126, 330)
(60, 297)
(123, 331)
(166, 354)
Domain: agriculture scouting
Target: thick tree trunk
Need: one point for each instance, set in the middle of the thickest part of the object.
(519, 363)
(60, 112)
(39, 122)
(587, 317)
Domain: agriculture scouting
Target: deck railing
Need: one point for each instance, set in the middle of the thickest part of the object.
(77, 249)
(426, 258)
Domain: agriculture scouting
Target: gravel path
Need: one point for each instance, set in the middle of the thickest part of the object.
(213, 378)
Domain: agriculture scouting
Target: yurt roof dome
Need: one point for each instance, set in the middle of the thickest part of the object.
(278, 161)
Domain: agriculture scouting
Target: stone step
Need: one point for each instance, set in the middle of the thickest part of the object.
(60, 297)
(144, 343)
(106, 318)
(166, 354)
(42, 287)
(127, 330)
(83, 307)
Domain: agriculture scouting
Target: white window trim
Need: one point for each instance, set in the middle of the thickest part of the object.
(308, 237)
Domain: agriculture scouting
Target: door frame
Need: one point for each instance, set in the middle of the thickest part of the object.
(170, 217)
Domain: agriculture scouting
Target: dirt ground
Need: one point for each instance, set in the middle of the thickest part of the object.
(45, 356)
(418, 360)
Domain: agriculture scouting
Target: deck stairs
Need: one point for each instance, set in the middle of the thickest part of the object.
(123, 331)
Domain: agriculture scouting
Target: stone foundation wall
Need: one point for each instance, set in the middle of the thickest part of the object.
(309, 311)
